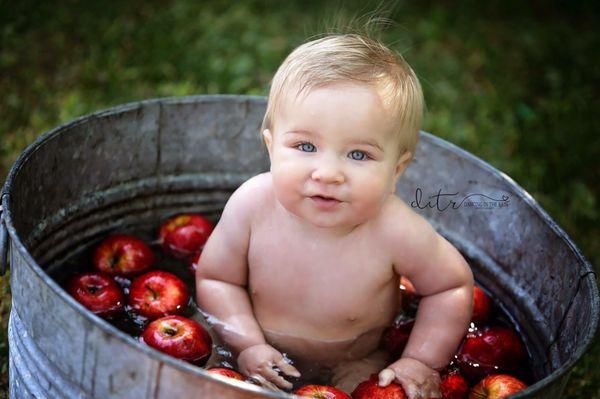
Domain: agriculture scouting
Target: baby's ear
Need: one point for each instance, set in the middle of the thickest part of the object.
(268, 139)
(402, 163)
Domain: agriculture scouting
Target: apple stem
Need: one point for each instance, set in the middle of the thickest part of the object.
(112, 261)
(154, 293)
(92, 289)
(170, 331)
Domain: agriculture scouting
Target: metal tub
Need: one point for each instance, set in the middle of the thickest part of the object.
(140, 163)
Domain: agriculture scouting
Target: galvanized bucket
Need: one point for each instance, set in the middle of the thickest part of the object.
(142, 162)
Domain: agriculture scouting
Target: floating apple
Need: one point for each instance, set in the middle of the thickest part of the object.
(453, 385)
(497, 386)
(228, 373)
(179, 337)
(157, 294)
(97, 292)
(370, 389)
(183, 235)
(394, 338)
(321, 392)
(122, 255)
(489, 351)
(482, 306)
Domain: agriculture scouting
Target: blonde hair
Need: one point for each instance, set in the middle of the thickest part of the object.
(353, 58)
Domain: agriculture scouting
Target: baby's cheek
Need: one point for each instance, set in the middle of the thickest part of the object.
(370, 194)
(287, 182)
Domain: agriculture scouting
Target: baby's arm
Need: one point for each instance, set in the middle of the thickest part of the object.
(442, 276)
(221, 281)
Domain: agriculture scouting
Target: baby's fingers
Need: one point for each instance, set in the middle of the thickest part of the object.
(386, 376)
(265, 383)
(411, 389)
(275, 378)
(414, 390)
(287, 368)
(432, 389)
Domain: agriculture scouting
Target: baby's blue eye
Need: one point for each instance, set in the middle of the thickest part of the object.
(306, 147)
(357, 155)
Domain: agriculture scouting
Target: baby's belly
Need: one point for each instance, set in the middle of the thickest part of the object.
(310, 351)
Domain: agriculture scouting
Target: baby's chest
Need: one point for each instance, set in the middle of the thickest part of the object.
(306, 272)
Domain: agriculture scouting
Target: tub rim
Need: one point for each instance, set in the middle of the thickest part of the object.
(586, 271)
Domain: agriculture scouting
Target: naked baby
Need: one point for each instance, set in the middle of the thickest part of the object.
(306, 258)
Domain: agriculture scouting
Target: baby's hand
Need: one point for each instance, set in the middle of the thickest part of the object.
(418, 380)
(258, 361)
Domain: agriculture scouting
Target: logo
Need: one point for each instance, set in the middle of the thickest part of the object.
(444, 201)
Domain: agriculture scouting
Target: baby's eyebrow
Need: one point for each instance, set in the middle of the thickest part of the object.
(300, 131)
(369, 143)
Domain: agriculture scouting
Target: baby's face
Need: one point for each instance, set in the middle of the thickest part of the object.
(334, 158)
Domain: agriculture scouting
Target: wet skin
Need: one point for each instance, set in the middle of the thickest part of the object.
(328, 298)
(306, 258)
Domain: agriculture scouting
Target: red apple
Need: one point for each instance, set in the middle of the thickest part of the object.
(488, 351)
(97, 292)
(123, 255)
(183, 235)
(179, 337)
(321, 392)
(409, 295)
(497, 386)
(228, 373)
(482, 306)
(395, 337)
(194, 262)
(454, 386)
(370, 389)
(157, 294)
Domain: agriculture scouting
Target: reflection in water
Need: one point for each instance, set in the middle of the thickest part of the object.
(343, 362)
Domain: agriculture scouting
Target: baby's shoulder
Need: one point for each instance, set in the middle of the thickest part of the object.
(254, 195)
(399, 221)
(257, 188)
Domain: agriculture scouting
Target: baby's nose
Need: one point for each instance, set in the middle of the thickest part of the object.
(328, 174)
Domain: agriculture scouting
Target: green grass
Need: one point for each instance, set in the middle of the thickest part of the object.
(514, 84)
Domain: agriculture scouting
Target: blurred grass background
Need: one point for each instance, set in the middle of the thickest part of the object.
(515, 83)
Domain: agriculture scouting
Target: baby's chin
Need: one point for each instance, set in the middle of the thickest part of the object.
(344, 219)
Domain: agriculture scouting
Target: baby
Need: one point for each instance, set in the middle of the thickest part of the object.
(305, 260)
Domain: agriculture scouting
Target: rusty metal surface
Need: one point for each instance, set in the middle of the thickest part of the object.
(138, 163)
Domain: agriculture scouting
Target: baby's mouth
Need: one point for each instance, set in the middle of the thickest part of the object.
(324, 200)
